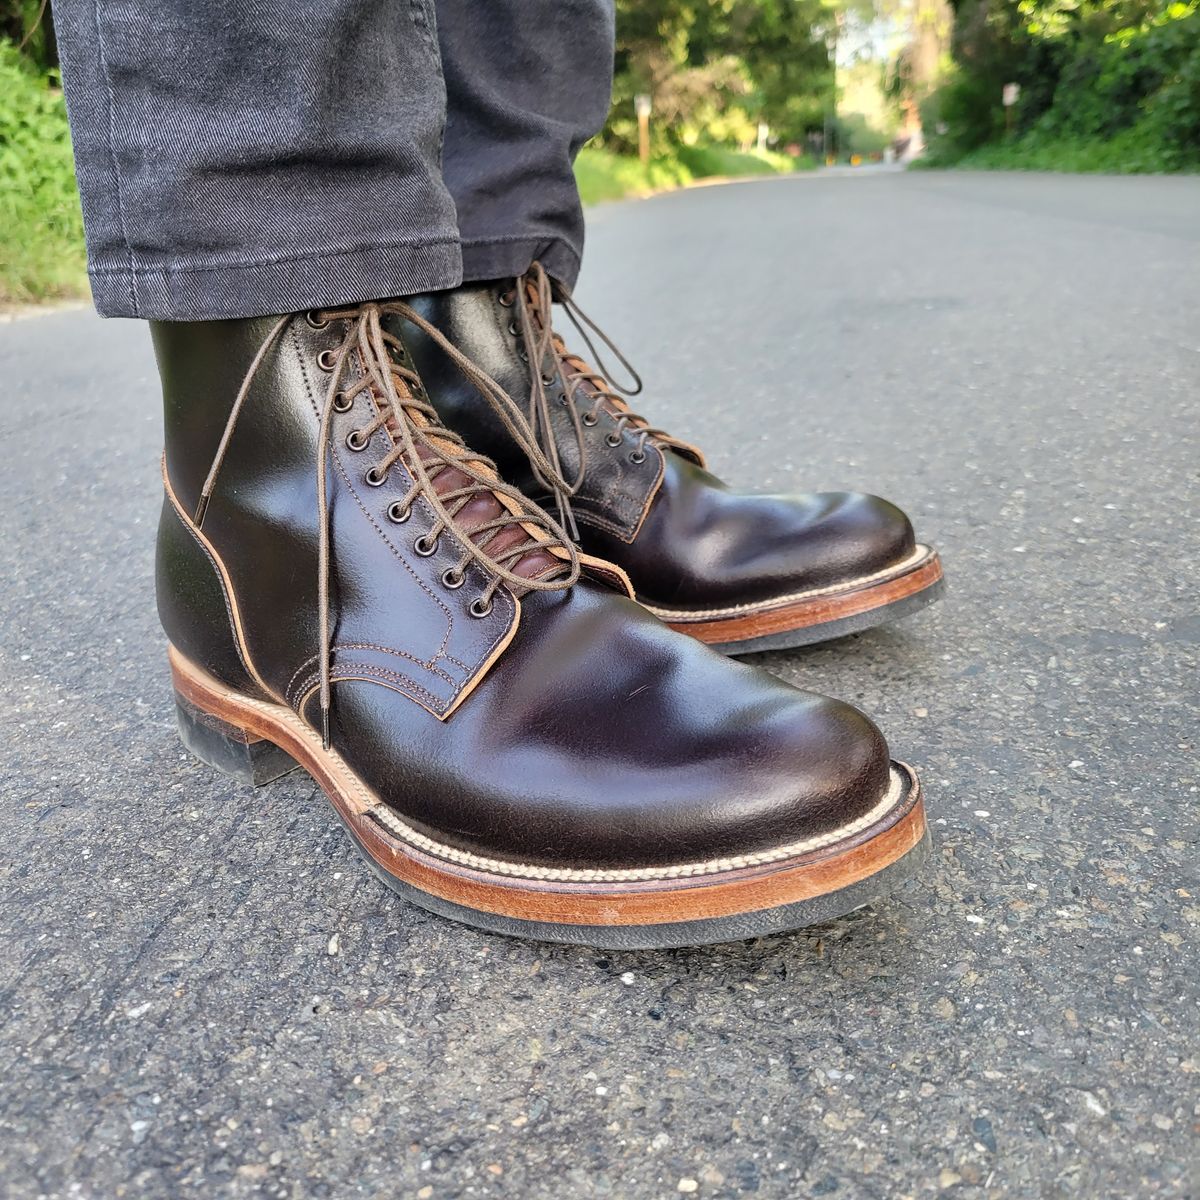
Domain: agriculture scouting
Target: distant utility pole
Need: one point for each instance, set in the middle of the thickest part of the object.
(1010, 96)
(830, 133)
(641, 105)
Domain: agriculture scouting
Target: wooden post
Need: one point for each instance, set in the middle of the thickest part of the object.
(641, 104)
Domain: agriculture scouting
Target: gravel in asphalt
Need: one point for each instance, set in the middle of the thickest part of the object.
(204, 993)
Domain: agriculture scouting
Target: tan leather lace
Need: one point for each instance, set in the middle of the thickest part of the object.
(428, 450)
(590, 392)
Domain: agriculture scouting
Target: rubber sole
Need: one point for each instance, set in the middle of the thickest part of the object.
(818, 615)
(683, 904)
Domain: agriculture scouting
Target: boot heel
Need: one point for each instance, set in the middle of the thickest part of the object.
(233, 751)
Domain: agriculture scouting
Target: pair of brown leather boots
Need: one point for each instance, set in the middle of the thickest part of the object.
(422, 550)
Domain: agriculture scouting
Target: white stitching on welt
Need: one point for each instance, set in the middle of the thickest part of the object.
(367, 803)
(683, 871)
(683, 614)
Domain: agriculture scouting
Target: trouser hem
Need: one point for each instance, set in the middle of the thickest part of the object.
(181, 291)
(501, 258)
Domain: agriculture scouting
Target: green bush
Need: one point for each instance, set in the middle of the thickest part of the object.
(1096, 95)
(41, 231)
(703, 161)
(603, 175)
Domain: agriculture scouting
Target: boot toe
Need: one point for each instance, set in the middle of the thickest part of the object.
(855, 535)
(653, 751)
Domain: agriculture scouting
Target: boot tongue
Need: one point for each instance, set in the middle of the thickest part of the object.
(483, 507)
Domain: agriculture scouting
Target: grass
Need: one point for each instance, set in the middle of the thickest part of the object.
(603, 175)
(41, 231)
(1134, 151)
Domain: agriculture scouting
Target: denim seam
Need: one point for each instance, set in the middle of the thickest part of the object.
(241, 264)
(511, 238)
(424, 17)
(116, 167)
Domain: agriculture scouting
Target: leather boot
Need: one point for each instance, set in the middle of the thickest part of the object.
(510, 739)
(740, 572)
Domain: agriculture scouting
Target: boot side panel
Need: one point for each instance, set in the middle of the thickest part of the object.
(195, 606)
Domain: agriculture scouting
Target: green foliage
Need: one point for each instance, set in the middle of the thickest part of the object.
(603, 175)
(708, 161)
(41, 231)
(856, 135)
(1110, 85)
(27, 24)
(716, 68)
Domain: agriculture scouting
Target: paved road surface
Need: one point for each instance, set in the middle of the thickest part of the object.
(205, 994)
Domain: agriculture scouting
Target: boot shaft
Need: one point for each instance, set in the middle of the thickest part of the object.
(239, 583)
(616, 472)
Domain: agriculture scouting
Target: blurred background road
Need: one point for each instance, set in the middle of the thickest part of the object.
(203, 992)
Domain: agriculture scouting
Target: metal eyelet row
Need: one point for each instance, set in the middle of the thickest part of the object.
(397, 513)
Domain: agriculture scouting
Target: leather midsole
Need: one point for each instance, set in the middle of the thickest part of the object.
(818, 607)
(687, 891)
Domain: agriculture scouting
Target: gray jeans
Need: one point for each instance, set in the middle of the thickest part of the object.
(244, 157)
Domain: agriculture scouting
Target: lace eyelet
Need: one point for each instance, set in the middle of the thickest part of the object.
(547, 380)
(314, 322)
(564, 401)
(613, 439)
(342, 402)
(588, 419)
(397, 513)
(506, 299)
(523, 356)
(375, 477)
(638, 456)
(453, 579)
(425, 546)
(479, 609)
(356, 441)
(327, 360)
(514, 329)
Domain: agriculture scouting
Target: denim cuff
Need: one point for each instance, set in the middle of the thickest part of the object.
(484, 259)
(183, 291)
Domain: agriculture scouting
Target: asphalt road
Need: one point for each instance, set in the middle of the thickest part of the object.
(204, 993)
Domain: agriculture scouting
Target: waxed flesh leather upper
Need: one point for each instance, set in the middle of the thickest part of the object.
(596, 737)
